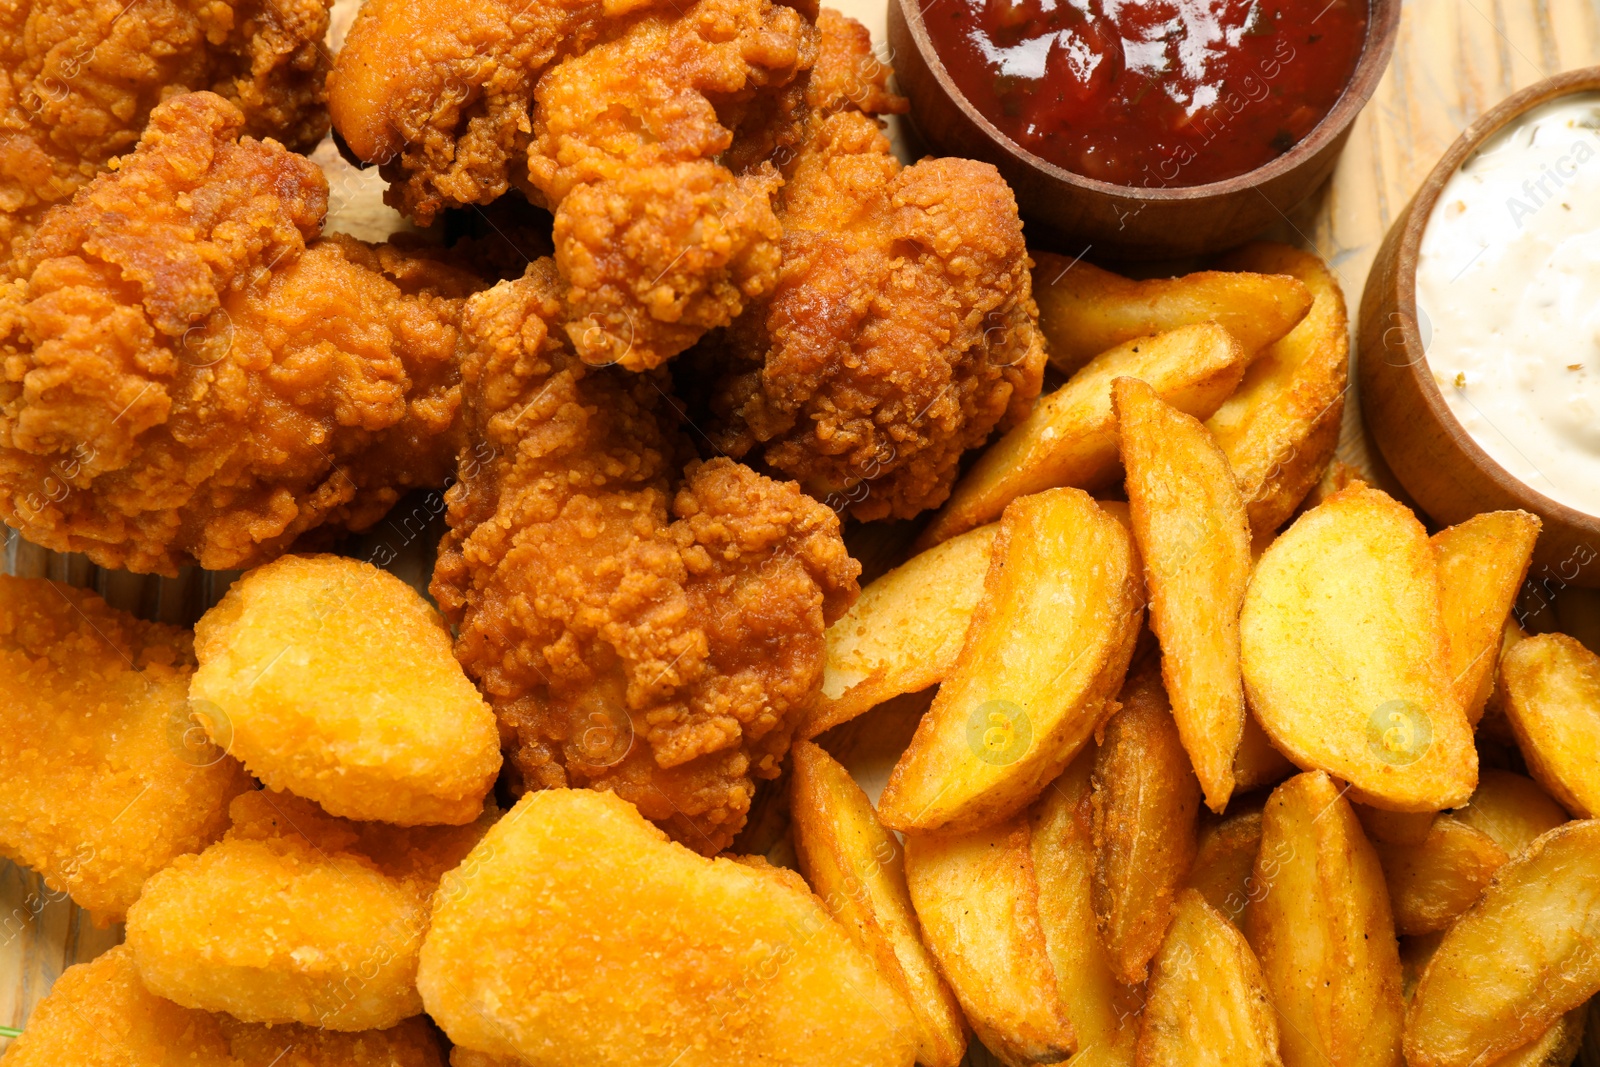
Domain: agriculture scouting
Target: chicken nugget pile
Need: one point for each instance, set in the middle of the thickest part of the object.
(531, 685)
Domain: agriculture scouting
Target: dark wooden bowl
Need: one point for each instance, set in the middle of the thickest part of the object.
(1122, 221)
(1435, 459)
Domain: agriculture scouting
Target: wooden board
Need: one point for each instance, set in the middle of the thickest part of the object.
(1454, 59)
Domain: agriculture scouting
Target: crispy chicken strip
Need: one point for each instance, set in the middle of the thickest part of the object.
(616, 118)
(902, 329)
(189, 377)
(82, 78)
(637, 630)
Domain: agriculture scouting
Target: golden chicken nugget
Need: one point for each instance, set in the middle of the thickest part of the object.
(100, 1014)
(338, 683)
(296, 916)
(101, 784)
(578, 933)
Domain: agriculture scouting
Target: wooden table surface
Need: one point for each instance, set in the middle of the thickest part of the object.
(1454, 59)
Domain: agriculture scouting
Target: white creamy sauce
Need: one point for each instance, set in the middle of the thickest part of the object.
(1508, 295)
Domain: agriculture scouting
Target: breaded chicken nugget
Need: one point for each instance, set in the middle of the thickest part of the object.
(100, 1014)
(296, 916)
(576, 933)
(337, 682)
(101, 784)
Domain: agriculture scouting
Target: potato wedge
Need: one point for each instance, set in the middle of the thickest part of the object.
(1552, 697)
(1394, 827)
(1045, 653)
(1258, 763)
(1146, 801)
(1482, 563)
(1208, 1003)
(1104, 1012)
(1225, 862)
(1070, 439)
(857, 868)
(1323, 932)
(1511, 809)
(1432, 883)
(1189, 524)
(1280, 428)
(1343, 650)
(1519, 959)
(1083, 310)
(978, 901)
(905, 631)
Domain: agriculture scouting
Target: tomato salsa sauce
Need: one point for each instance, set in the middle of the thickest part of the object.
(1151, 92)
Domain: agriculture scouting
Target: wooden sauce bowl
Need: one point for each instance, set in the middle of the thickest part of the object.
(1437, 461)
(1128, 221)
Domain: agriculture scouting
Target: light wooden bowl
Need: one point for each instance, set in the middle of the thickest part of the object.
(1435, 459)
(1122, 221)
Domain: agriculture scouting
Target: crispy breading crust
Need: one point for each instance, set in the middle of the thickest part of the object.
(655, 641)
(82, 78)
(187, 379)
(100, 783)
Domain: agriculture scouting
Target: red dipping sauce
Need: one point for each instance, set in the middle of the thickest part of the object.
(1151, 92)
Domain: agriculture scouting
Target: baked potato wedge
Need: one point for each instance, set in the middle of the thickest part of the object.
(1258, 763)
(1520, 958)
(1280, 428)
(1394, 827)
(1146, 801)
(1225, 862)
(1322, 929)
(1511, 809)
(1045, 653)
(1190, 527)
(857, 868)
(1070, 439)
(1433, 882)
(1482, 563)
(1344, 649)
(1083, 310)
(1104, 1012)
(1207, 1005)
(905, 631)
(1552, 698)
(977, 899)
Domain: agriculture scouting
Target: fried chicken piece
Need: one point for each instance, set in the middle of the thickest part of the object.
(296, 916)
(82, 77)
(188, 377)
(635, 631)
(334, 680)
(100, 1014)
(101, 785)
(615, 118)
(576, 933)
(902, 329)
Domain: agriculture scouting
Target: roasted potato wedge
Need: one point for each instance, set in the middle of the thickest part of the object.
(1225, 862)
(1322, 928)
(977, 898)
(1070, 439)
(1344, 650)
(1482, 563)
(1432, 882)
(1552, 697)
(1519, 959)
(1208, 1003)
(1045, 653)
(857, 868)
(1511, 809)
(1146, 800)
(1494, 726)
(1280, 428)
(1084, 310)
(1104, 1012)
(1394, 827)
(905, 631)
(1258, 763)
(1189, 524)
